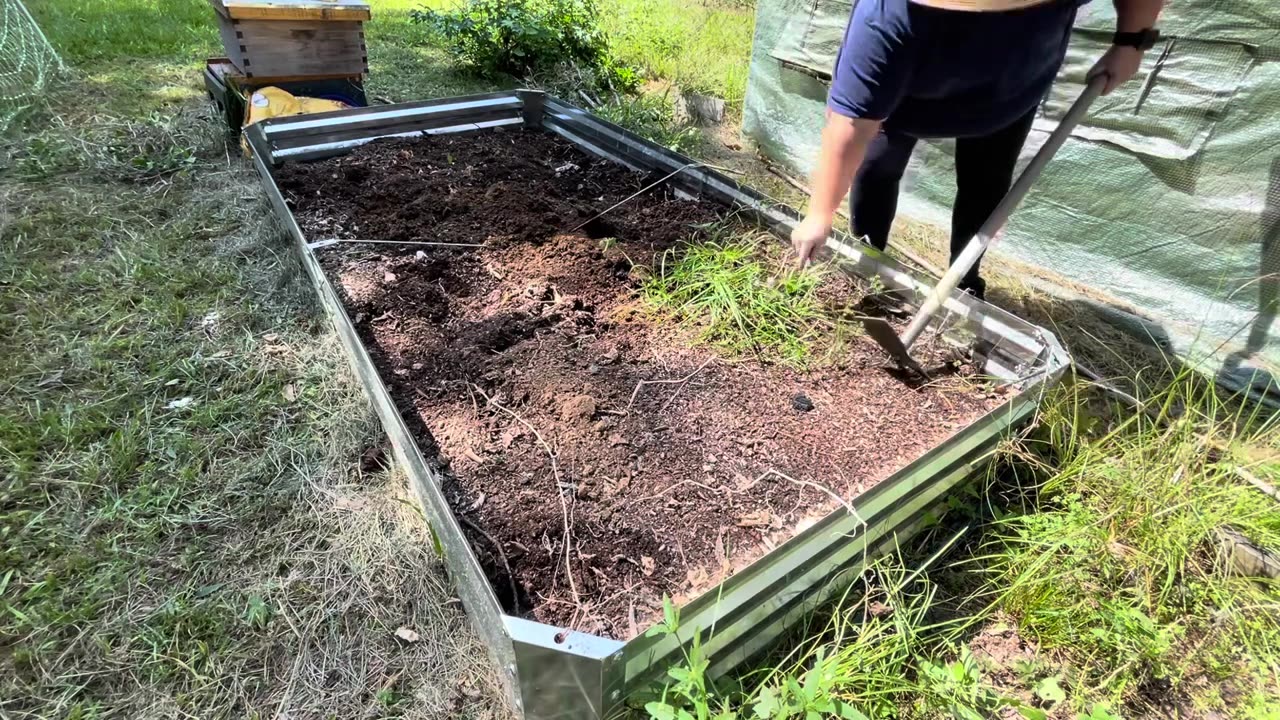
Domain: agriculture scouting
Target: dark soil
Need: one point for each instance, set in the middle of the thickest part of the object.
(553, 401)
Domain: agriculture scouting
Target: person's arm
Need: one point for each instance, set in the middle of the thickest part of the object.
(844, 144)
(1121, 63)
(870, 78)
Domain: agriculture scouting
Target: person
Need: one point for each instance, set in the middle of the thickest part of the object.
(912, 69)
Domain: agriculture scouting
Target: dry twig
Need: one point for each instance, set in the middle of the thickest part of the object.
(681, 382)
(823, 488)
(555, 472)
(511, 578)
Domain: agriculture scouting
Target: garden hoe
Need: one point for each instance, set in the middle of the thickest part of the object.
(900, 347)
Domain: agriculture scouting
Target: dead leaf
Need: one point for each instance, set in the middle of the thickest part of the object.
(290, 392)
(353, 503)
(647, 565)
(389, 277)
(510, 435)
(271, 338)
(697, 578)
(180, 403)
(407, 635)
(755, 519)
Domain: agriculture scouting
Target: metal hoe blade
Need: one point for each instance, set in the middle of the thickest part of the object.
(884, 335)
(900, 347)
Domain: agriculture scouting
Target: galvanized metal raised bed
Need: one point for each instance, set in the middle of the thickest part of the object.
(553, 675)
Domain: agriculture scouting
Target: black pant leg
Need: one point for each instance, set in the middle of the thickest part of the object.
(873, 199)
(984, 172)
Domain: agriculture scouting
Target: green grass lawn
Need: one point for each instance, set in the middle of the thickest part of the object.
(189, 528)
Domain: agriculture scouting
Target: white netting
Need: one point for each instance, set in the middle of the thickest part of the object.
(27, 61)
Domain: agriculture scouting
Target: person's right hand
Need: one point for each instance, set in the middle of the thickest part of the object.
(808, 238)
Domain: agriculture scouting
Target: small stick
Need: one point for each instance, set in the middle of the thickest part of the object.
(555, 471)
(515, 595)
(669, 488)
(823, 488)
(1263, 486)
(322, 243)
(681, 382)
(634, 195)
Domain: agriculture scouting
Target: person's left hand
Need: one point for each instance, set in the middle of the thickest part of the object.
(1120, 63)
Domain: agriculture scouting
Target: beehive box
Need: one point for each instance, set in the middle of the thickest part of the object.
(294, 38)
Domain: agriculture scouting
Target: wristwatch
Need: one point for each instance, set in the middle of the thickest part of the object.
(1141, 39)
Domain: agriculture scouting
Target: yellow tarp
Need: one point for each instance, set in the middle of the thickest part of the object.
(269, 102)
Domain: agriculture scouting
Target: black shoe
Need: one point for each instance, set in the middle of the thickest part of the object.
(976, 287)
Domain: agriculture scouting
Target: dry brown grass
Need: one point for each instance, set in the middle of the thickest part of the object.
(225, 556)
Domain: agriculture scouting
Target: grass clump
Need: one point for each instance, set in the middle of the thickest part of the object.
(1119, 566)
(878, 655)
(651, 116)
(727, 287)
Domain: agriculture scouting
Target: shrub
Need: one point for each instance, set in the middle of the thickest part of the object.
(524, 37)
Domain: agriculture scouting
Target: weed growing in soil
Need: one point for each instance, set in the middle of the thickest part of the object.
(878, 656)
(725, 285)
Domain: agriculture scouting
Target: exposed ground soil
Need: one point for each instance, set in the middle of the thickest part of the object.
(554, 401)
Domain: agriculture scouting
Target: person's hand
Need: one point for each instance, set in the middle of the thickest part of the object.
(808, 238)
(1119, 64)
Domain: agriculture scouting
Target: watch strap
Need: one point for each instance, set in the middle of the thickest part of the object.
(1141, 39)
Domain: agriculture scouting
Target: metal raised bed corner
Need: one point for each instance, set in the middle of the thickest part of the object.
(549, 674)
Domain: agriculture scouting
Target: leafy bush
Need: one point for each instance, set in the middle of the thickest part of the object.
(524, 37)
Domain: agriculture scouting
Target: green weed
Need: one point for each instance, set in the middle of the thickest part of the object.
(861, 666)
(725, 286)
(650, 116)
(698, 46)
(521, 38)
(1118, 564)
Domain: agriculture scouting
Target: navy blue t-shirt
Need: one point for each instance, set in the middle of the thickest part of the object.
(930, 72)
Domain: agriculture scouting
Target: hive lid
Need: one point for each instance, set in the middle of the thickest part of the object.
(292, 9)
